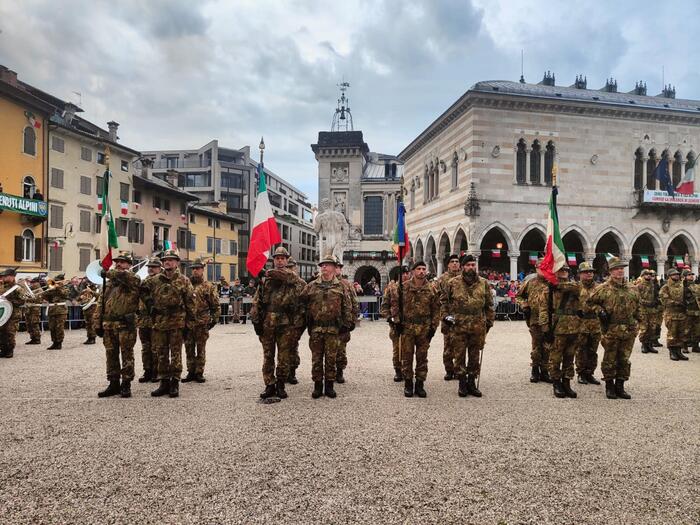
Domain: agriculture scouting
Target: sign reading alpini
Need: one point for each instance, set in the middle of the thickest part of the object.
(24, 206)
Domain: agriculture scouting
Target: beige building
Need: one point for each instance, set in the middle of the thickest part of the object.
(478, 179)
(213, 236)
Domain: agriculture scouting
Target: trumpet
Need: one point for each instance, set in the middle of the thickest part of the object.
(51, 285)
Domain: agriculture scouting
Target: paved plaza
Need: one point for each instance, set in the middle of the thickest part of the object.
(217, 455)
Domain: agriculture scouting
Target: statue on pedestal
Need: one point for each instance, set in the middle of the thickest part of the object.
(332, 229)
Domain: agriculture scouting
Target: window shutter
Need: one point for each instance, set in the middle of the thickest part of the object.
(37, 250)
(18, 248)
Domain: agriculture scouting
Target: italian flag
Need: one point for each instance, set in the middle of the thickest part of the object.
(679, 260)
(124, 207)
(99, 204)
(687, 184)
(554, 249)
(109, 232)
(265, 233)
(532, 258)
(645, 261)
(571, 259)
(496, 254)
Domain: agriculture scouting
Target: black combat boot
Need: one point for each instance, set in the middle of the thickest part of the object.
(696, 347)
(163, 389)
(471, 386)
(419, 390)
(684, 349)
(34, 342)
(680, 355)
(610, 389)
(174, 390)
(329, 391)
(620, 389)
(52, 347)
(449, 376)
(558, 389)
(657, 343)
(8, 353)
(566, 387)
(189, 377)
(398, 376)
(89, 341)
(582, 379)
(154, 376)
(146, 377)
(544, 375)
(645, 348)
(126, 389)
(281, 392)
(292, 379)
(408, 387)
(111, 390)
(199, 377)
(463, 391)
(672, 353)
(58, 346)
(535, 374)
(270, 391)
(652, 349)
(591, 378)
(318, 389)
(339, 375)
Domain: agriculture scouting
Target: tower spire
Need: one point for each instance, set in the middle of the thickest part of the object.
(342, 118)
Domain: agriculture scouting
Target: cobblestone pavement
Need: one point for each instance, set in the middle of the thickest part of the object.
(217, 455)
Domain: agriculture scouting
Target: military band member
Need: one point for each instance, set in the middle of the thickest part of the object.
(206, 315)
(115, 322)
(88, 294)
(56, 296)
(8, 331)
(587, 344)
(648, 304)
(342, 356)
(453, 270)
(673, 297)
(294, 359)
(149, 354)
(391, 296)
(32, 314)
(328, 311)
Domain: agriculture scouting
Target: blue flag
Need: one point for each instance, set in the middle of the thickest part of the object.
(661, 174)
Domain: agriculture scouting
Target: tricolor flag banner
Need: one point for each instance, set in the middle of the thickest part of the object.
(99, 204)
(687, 183)
(496, 254)
(32, 119)
(400, 243)
(109, 232)
(554, 248)
(167, 245)
(661, 174)
(571, 259)
(124, 207)
(645, 261)
(265, 233)
(679, 260)
(532, 258)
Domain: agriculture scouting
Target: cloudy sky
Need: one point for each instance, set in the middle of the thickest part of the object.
(179, 73)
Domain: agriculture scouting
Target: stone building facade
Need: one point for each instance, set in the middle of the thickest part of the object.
(478, 179)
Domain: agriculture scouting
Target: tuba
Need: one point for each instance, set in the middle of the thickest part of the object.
(93, 271)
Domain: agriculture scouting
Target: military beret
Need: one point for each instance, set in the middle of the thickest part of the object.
(452, 257)
(467, 259)
(418, 264)
(280, 251)
(585, 267)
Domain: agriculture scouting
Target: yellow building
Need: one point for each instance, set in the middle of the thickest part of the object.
(23, 175)
(212, 235)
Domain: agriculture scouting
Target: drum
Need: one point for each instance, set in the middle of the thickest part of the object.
(5, 310)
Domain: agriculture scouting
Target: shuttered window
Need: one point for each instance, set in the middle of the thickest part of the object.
(56, 214)
(85, 221)
(85, 185)
(56, 178)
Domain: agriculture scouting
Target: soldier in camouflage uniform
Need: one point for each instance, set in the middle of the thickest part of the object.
(328, 311)
(448, 352)
(391, 296)
(8, 331)
(32, 314)
(531, 297)
(417, 326)
(589, 339)
(659, 319)
(207, 310)
(149, 355)
(648, 304)
(169, 297)
(294, 360)
(617, 305)
(693, 311)
(341, 355)
(564, 334)
(673, 297)
(87, 295)
(278, 322)
(58, 312)
(115, 322)
(467, 314)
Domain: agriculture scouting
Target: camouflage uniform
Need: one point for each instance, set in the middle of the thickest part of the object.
(672, 296)
(328, 311)
(144, 322)
(341, 356)
(276, 314)
(8, 331)
(449, 344)
(565, 329)
(589, 339)
(207, 310)
(648, 304)
(294, 360)
(693, 311)
(86, 296)
(391, 296)
(533, 295)
(32, 317)
(118, 320)
(58, 313)
(659, 318)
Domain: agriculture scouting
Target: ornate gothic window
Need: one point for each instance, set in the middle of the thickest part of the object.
(638, 169)
(549, 153)
(651, 165)
(520, 162)
(535, 162)
(455, 163)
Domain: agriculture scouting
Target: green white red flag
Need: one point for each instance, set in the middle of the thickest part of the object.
(109, 232)
(554, 257)
(265, 233)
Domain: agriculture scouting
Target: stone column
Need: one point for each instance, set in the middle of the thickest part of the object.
(644, 173)
(513, 264)
(659, 266)
(527, 165)
(542, 154)
(626, 258)
(439, 266)
(476, 254)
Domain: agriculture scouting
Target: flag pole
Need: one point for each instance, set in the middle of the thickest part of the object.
(104, 272)
(400, 255)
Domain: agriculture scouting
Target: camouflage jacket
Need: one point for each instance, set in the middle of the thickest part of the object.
(695, 288)
(471, 304)
(143, 316)
(648, 295)
(121, 301)
(621, 302)
(170, 300)
(693, 300)
(350, 290)
(276, 301)
(672, 296)
(17, 298)
(327, 307)
(390, 294)
(590, 324)
(206, 302)
(59, 295)
(440, 283)
(533, 294)
(421, 306)
(565, 305)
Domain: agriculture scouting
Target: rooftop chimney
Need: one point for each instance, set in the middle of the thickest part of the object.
(547, 79)
(69, 111)
(113, 127)
(145, 165)
(8, 76)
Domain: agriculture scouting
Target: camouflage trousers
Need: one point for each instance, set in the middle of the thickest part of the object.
(395, 339)
(8, 335)
(539, 354)
(692, 329)
(119, 342)
(90, 322)
(415, 342)
(196, 348)
(341, 357)
(32, 318)
(561, 356)
(647, 326)
(448, 351)
(294, 360)
(149, 356)
(324, 350)
(675, 331)
(168, 345)
(466, 349)
(587, 352)
(56, 327)
(279, 340)
(659, 322)
(616, 357)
